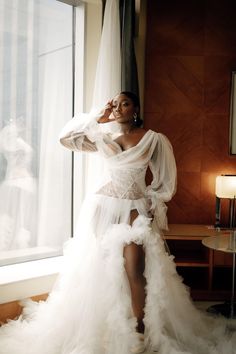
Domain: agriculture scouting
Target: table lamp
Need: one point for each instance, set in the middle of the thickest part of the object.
(226, 188)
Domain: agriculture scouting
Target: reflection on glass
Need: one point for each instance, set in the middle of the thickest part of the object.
(35, 103)
(17, 191)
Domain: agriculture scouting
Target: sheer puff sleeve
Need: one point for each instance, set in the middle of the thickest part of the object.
(83, 132)
(163, 186)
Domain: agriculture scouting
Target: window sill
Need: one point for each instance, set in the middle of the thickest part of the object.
(23, 280)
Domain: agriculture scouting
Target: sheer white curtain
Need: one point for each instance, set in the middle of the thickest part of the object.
(107, 85)
(55, 107)
(108, 74)
(54, 164)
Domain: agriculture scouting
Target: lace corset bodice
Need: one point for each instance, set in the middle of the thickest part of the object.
(125, 183)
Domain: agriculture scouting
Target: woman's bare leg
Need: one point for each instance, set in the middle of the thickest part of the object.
(134, 265)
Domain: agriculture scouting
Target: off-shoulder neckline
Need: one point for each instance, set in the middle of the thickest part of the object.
(132, 147)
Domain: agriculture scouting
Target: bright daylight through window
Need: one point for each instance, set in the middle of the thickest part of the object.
(35, 103)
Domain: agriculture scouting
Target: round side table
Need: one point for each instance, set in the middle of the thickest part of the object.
(224, 243)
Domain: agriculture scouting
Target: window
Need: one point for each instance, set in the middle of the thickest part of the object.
(36, 89)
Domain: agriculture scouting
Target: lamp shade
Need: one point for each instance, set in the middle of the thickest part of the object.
(226, 187)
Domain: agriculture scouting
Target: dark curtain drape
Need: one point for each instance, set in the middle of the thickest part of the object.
(129, 74)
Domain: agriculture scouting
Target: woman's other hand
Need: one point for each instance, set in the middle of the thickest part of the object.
(149, 209)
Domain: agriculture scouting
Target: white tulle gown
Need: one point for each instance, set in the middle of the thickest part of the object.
(89, 311)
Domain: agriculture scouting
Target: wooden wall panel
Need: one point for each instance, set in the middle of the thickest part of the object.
(190, 54)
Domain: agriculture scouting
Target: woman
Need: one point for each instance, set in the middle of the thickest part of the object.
(125, 109)
(119, 292)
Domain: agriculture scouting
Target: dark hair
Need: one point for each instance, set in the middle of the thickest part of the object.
(135, 99)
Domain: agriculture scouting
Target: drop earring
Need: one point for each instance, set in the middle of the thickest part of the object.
(135, 116)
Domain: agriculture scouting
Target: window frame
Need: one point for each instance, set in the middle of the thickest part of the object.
(39, 275)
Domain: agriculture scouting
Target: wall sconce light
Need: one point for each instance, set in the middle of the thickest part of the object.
(226, 188)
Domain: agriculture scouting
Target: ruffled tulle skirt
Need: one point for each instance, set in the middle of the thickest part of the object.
(89, 310)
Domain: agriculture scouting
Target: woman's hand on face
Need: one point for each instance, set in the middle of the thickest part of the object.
(109, 111)
(107, 114)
